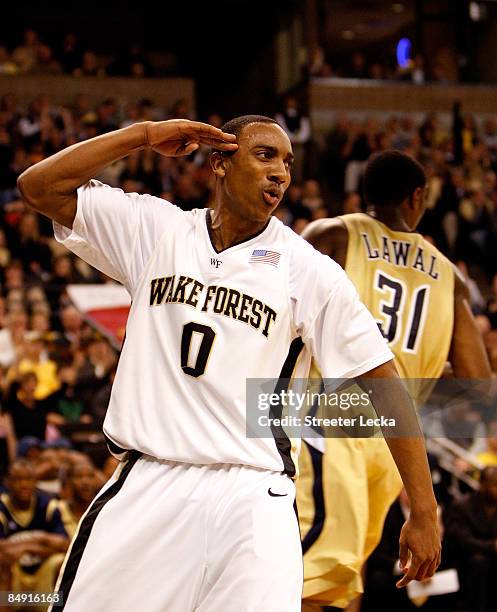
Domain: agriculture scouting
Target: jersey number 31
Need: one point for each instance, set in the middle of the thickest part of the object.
(392, 307)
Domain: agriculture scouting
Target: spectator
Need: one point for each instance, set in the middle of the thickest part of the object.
(311, 195)
(31, 248)
(358, 68)
(318, 66)
(71, 54)
(476, 298)
(33, 358)
(63, 274)
(418, 75)
(293, 202)
(26, 55)
(297, 125)
(7, 65)
(72, 326)
(29, 415)
(12, 337)
(46, 63)
(472, 528)
(31, 547)
(90, 66)
(79, 487)
(356, 151)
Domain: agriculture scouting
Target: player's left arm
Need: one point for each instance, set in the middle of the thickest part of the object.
(467, 354)
(420, 541)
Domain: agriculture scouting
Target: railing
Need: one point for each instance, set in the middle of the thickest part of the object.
(328, 96)
(447, 452)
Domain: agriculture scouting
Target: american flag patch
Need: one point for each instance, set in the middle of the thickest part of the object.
(267, 257)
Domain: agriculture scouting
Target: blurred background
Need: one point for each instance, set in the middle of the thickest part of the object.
(344, 79)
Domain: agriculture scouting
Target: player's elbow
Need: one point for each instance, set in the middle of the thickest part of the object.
(32, 188)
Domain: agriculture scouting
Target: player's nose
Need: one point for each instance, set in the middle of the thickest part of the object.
(278, 173)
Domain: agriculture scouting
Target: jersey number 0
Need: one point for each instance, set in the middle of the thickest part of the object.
(207, 338)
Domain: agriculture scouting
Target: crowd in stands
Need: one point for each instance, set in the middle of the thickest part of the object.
(34, 56)
(56, 371)
(359, 65)
(70, 56)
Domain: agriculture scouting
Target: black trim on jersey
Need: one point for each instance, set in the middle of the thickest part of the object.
(113, 447)
(318, 496)
(208, 221)
(86, 526)
(283, 443)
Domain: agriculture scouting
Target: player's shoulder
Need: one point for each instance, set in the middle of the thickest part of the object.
(326, 235)
(430, 248)
(304, 255)
(147, 201)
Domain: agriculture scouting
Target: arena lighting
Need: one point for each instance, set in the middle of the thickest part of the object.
(403, 52)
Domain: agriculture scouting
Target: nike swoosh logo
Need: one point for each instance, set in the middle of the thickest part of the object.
(276, 494)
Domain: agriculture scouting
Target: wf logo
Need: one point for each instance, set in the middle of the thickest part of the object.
(216, 263)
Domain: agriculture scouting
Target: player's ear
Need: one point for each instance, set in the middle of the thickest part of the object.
(417, 199)
(218, 164)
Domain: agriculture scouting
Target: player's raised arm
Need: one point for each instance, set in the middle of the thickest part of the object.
(420, 543)
(50, 185)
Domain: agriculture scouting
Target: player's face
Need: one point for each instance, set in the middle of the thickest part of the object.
(258, 174)
(21, 484)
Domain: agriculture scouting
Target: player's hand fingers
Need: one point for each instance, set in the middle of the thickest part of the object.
(205, 132)
(219, 144)
(411, 572)
(434, 565)
(432, 568)
(189, 147)
(403, 554)
(423, 570)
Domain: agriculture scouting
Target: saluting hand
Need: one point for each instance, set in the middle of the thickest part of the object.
(181, 137)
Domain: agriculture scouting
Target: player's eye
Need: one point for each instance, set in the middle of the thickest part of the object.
(265, 154)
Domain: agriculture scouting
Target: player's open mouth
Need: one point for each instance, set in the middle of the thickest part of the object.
(272, 198)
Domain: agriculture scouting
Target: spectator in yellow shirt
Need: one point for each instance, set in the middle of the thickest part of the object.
(33, 358)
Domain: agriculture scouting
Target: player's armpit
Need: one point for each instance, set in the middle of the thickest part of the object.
(467, 352)
(330, 237)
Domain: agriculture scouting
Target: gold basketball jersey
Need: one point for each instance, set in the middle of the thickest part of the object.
(408, 286)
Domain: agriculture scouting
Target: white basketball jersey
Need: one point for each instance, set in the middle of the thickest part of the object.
(202, 323)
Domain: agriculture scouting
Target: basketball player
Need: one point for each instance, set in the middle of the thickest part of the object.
(199, 516)
(421, 305)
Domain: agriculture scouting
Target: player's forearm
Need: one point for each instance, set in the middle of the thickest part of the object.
(404, 438)
(46, 184)
(410, 457)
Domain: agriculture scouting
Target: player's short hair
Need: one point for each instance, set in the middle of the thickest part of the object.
(236, 126)
(391, 177)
